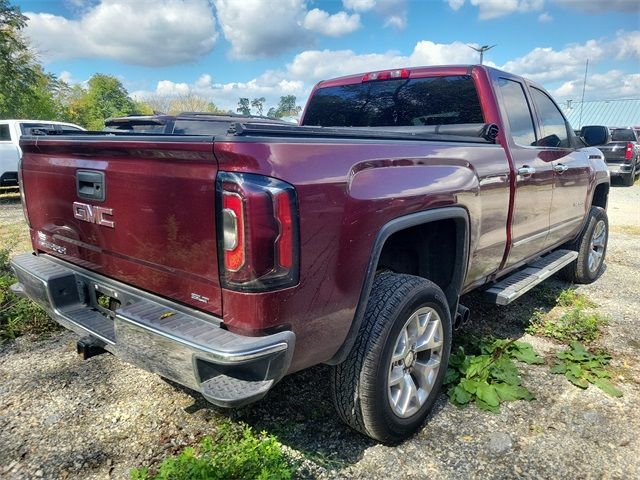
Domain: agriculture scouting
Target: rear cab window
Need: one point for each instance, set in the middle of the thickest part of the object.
(440, 100)
(622, 135)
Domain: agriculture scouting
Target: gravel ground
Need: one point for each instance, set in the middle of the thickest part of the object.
(61, 417)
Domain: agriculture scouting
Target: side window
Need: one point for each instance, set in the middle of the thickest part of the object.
(518, 112)
(5, 135)
(552, 124)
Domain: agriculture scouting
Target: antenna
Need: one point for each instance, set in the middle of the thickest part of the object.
(481, 50)
(584, 85)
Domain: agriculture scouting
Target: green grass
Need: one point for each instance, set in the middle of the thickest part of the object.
(235, 452)
(18, 316)
(574, 318)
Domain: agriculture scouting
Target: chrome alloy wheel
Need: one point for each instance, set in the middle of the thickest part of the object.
(415, 362)
(598, 239)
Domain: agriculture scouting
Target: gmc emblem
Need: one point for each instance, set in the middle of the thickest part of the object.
(93, 214)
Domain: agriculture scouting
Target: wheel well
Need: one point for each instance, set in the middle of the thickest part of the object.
(428, 250)
(600, 196)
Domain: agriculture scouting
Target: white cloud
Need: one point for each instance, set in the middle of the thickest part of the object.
(394, 12)
(545, 64)
(601, 86)
(335, 25)
(627, 45)
(489, 9)
(455, 4)
(258, 29)
(144, 32)
(601, 6)
(545, 17)
(359, 5)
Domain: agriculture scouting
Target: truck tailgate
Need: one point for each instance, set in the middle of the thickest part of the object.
(614, 152)
(154, 229)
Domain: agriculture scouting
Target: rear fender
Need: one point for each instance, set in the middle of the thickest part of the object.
(459, 215)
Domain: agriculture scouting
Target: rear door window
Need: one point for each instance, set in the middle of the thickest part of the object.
(399, 102)
(518, 112)
(553, 127)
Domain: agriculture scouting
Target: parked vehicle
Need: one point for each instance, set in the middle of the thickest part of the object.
(186, 123)
(10, 133)
(622, 154)
(226, 262)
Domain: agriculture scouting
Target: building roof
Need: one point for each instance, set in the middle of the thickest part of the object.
(612, 113)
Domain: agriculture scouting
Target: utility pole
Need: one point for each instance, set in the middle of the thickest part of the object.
(481, 50)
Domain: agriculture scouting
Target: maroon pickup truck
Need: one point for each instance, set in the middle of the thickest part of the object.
(224, 263)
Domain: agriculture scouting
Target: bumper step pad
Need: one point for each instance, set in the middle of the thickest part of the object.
(517, 284)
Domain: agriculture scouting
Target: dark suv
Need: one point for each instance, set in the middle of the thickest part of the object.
(186, 123)
(622, 154)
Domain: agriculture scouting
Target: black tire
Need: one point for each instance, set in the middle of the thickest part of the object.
(360, 385)
(580, 271)
(629, 178)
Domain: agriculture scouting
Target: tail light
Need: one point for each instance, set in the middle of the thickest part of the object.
(257, 232)
(386, 75)
(629, 151)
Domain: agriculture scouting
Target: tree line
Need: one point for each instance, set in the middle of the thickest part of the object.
(28, 91)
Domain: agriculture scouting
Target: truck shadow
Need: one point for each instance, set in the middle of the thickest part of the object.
(299, 410)
(512, 320)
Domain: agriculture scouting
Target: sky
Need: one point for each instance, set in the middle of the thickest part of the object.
(226, 49)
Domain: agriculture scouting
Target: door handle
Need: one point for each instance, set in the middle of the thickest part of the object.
(526, 170)
(560, 167)
(90, 185)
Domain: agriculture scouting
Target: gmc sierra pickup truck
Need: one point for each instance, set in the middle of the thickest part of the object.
(224, 263)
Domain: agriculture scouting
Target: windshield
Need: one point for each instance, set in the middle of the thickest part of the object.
(622, 135)
(402, 102)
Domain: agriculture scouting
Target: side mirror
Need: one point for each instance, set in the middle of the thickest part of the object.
(594, 135)
(552, 140)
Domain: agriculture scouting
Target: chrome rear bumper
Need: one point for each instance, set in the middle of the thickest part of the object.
(174, 341)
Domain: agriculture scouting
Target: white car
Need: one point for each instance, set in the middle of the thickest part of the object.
(10, 153)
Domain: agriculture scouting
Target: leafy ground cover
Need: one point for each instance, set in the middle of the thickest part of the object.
(490, 376)
(234, 452)
(582, 367)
